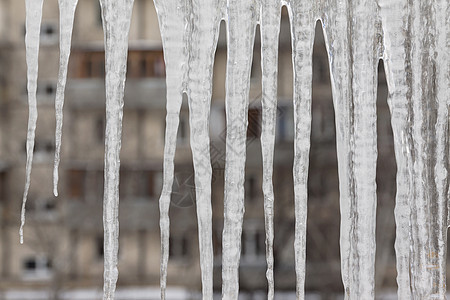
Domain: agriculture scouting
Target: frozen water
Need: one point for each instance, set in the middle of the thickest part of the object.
(66, 18)
(270, 29)
(172, 17)
(33, 30)
(302, 18)
(116, 16)
(241, 26)
(412, 39)
(202, 46)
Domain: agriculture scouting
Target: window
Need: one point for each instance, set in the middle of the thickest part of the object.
(254, 123)
(50, 89)
(85, 185)
(253, 244)
(99, 247)
(76, 183)
(99, 129)
(140, 64)
(93, 186)
(90, 64)
(285, 125)
(178, 247)
(49, 33)
(146, 63)
(250, 187)
(140, 184)
(46, 91)
(37, 267)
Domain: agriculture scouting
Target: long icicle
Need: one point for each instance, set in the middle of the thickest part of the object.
(173, 19)
(334, 25)
(423, 83)
(350, 40)
(363, 138)
(270, 30)
(430, 169)
(442, 159)
(205, 33)
(33, 29)
(66, 18)
(116, 17)
(301, 14)
(241, 25)
(394, 16)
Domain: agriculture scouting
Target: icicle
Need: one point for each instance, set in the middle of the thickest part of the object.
(430, 139)
(116, 17)
(439, 162)
(66, 17)
(353, 80)
(394, 16)
(334, 24)
(419, 105)
(174, 23)
(301, 14)
(203, 43)
(33, 30)
(270, 30)
(241, 25)
(363, 142)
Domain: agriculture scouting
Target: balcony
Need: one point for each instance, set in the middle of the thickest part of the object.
(148, 93)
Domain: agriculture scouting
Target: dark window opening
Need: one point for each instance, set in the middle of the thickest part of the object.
(178, 247)
(49, 30)
(250, 187)
(49, 89)
(140, 64)
(76, 183)
(100, 130)
(30, 264)
(254, 123)
(99, 247)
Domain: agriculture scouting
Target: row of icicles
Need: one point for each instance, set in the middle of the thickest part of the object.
(357, 34)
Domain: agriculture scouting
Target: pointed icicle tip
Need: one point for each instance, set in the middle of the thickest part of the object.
(55, 182)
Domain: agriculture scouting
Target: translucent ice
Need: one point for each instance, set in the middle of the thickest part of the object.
(66, 17)
(33, 30)
(116, 17)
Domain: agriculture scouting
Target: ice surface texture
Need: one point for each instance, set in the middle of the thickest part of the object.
(412, 38)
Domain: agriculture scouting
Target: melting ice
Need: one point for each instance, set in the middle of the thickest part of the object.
(411, 38)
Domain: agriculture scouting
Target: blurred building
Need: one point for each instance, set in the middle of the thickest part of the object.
(64, 236)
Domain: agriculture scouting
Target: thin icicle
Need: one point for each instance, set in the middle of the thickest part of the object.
(205, 33)
(116, 17)
(441, 160)
(334, 24)
(241, 25)
(173, 22)
(301, 14)
(66, 17)
(394, 16)
(270, 30)
(33, 29)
